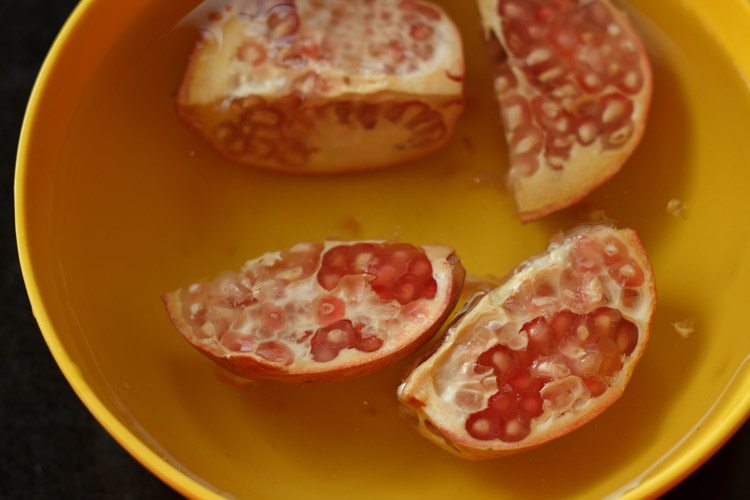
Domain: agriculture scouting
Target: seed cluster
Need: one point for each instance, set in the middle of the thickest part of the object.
(569, 357)
(312, 303)
(570, 349)
(581, 71)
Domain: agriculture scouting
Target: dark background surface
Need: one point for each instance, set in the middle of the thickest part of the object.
(50, 446)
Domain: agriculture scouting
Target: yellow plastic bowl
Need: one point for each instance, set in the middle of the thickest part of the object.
(117, 202)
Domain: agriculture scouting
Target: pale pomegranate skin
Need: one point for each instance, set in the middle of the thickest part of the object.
(313, 86)
(574, 84)
(320, 311)
(543, 353)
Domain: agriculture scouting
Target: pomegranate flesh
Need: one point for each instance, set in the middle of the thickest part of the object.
(307, 86)
(574, 84)
(543, 353)
(320, 311)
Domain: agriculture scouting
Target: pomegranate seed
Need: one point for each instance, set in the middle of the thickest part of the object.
(595, 385)
(272, 317)
(539, 333)
(562, 324)
(276, 352)
(586, 256)
(370, 344)
(503, 404)
(480, 426)
(329, 309)
(630, 297)
(407, 289)
(627, 273)
(524, 383)
(515, 428)
(531, 405)
(602, 322)
(614, 250)
(337, 257)
(626, 337)
(420, 266)
(329, 278)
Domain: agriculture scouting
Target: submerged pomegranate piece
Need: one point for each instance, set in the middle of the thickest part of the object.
(320, 311)
(574, 84)
(325, 86)
(543, 353)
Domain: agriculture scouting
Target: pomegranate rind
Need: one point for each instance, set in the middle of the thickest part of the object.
(313, 136)
(443, 422)
(552, 189)
(448, 274)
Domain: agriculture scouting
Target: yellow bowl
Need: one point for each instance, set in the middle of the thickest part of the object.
(117, 202)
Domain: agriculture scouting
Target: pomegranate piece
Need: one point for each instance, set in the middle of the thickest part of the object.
(543, 353)
(574, 84)
(314, 312)
(308, 86)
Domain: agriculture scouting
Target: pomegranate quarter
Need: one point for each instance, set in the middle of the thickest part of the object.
(574, 85)
(544, 353)
(325, 86)
(320, 311)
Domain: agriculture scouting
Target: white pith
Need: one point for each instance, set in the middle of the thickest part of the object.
(383, 319)
(431, 389)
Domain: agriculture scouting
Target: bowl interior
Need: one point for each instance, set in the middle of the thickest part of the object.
(118, 202)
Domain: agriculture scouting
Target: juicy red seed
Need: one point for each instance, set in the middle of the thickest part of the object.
(329, 309)
(540, 335)
(503, 404)
(337, 257)
(329, 278)
(562, 323)
(327, 342)
(370, 344)
(420, 266)
(392, 276)
(626, 337)
(532, 405)
(502, 360)
(482, 426)
(361, 256)
(401, 253)
(596, 385)
(524, 383)
(386, 276)
(407, 289)
(276, 352)
(515, 428)
(430, 289)
(602, 322)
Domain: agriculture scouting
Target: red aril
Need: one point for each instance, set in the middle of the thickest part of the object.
(518, 369)
(313, 313)
(574, 85)
(307, 86)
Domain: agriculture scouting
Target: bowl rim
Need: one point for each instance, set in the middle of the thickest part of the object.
(733, 30)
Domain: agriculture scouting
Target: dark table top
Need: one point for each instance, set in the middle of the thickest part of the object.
(50, 445)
